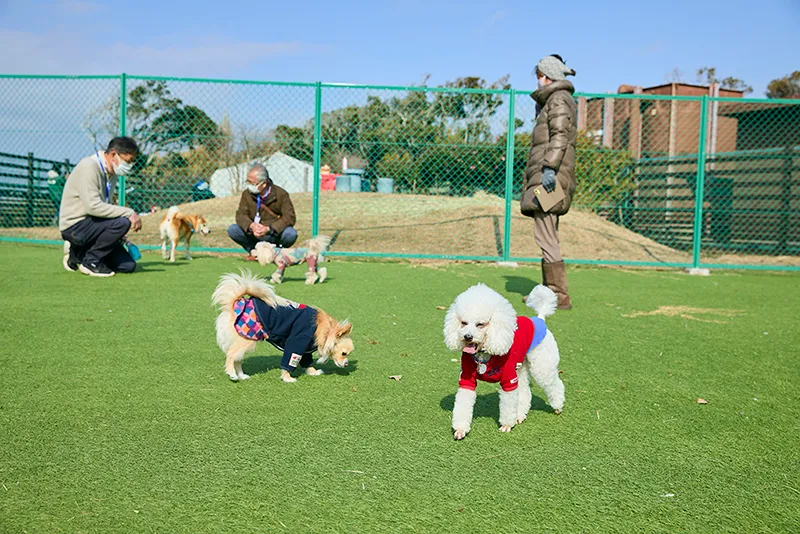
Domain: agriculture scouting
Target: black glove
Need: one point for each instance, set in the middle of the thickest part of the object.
(548, 179)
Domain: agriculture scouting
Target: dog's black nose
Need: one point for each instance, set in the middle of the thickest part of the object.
(467, 337)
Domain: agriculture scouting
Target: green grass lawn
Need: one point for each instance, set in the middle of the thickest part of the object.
(116, 416)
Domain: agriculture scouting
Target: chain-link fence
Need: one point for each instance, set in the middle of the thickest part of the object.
(416, 171)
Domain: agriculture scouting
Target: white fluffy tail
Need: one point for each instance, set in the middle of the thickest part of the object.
(543, 301)
(319, 244)
(172, 212)
(233, 286)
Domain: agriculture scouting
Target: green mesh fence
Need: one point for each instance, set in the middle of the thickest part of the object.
(417, 171)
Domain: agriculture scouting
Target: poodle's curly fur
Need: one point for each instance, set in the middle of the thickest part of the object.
(486, 321)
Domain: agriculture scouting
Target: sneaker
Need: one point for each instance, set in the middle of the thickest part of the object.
(69, 265)
(96, 269)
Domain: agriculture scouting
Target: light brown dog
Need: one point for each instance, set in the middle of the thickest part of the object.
(332, 338)
(177, 226)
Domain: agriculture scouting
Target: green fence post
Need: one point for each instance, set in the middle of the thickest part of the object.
(701, 175)
(509, 175)
(29, 203)
(123, 105)
(317, 158)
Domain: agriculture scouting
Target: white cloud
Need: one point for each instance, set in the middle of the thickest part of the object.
(62, 53)
(492, 20)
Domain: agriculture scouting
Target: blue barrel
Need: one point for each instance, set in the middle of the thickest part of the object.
(343, 182)
(385, 185)
(355, 176)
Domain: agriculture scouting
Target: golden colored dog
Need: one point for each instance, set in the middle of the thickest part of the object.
(251, 311)
(177, 226)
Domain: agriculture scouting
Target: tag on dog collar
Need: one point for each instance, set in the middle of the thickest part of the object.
(481, 368)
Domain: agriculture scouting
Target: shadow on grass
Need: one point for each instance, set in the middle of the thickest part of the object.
(147, 266)
(521, 284)
(262, 364)
(487, 405)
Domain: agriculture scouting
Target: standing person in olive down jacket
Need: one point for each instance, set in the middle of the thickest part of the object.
(551, 159)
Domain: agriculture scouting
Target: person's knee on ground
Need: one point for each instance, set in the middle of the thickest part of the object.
(288, 237)
(111, 234)
(239, 237)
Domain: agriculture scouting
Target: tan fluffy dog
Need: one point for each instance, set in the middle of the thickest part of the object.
(329, 338)
(177, 226)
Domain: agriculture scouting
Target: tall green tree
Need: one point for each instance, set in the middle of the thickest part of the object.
(158, 121)
(786, 87)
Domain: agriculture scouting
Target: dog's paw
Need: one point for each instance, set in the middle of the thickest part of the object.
(276, 278)
(286, 377)
(521, 418)
(557, 412)
(323, 274)
(459, 434)
(506, 428)
(243, 376)
(311, 278)
(233, 376)
(314, 372)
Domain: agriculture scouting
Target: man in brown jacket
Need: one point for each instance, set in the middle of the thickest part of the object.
(551, 159)
(265, 213)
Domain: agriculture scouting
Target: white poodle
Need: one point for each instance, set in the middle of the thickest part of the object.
(495, 344)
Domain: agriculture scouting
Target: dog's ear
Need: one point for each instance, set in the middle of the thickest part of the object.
(451, 327)
(501, 327)
(344, 329)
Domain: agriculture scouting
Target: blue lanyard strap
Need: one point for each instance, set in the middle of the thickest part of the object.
(105, 177)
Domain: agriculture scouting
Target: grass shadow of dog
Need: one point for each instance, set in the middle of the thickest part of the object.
(262, 364)
(488, 405)
(521, 284)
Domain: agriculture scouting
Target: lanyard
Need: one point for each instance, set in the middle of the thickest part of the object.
(257, 218)
(105, 176)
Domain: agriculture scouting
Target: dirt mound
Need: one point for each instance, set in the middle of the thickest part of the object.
(434, 225)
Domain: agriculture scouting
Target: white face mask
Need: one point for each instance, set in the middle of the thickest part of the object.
(255, 189)
(123, 167)
(540, 83)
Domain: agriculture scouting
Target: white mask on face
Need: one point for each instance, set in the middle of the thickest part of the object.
(123, 167)
(253, 188)
(540, 83)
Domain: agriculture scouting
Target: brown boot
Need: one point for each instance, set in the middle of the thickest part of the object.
(555, 277)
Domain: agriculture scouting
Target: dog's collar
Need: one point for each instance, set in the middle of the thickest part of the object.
(480, 360)
(191, 227)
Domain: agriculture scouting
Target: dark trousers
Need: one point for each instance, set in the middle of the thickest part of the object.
(248, 241)
(96, 240)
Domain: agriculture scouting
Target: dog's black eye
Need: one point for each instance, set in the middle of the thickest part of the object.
(344, 354)
(463, 323)
(480, 325)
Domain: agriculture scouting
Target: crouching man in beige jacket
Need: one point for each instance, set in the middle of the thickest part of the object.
(93, 226)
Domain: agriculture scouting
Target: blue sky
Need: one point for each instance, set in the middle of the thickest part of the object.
(398, 42)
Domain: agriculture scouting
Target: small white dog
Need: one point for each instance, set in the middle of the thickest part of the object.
(498, 346)
(311, 254)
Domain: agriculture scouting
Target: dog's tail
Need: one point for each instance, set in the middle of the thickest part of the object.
(543, 301)
(319, 244)
(234, 286)
(171, 213)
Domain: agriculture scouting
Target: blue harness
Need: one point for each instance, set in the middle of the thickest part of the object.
(539, 331)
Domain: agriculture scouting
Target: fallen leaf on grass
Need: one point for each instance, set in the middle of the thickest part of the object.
(701, 401)
(396, 377)
(373, 342)
(440, 308)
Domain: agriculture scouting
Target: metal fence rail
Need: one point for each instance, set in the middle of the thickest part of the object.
(418, 172)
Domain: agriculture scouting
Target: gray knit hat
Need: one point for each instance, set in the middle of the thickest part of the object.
(554, 68)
